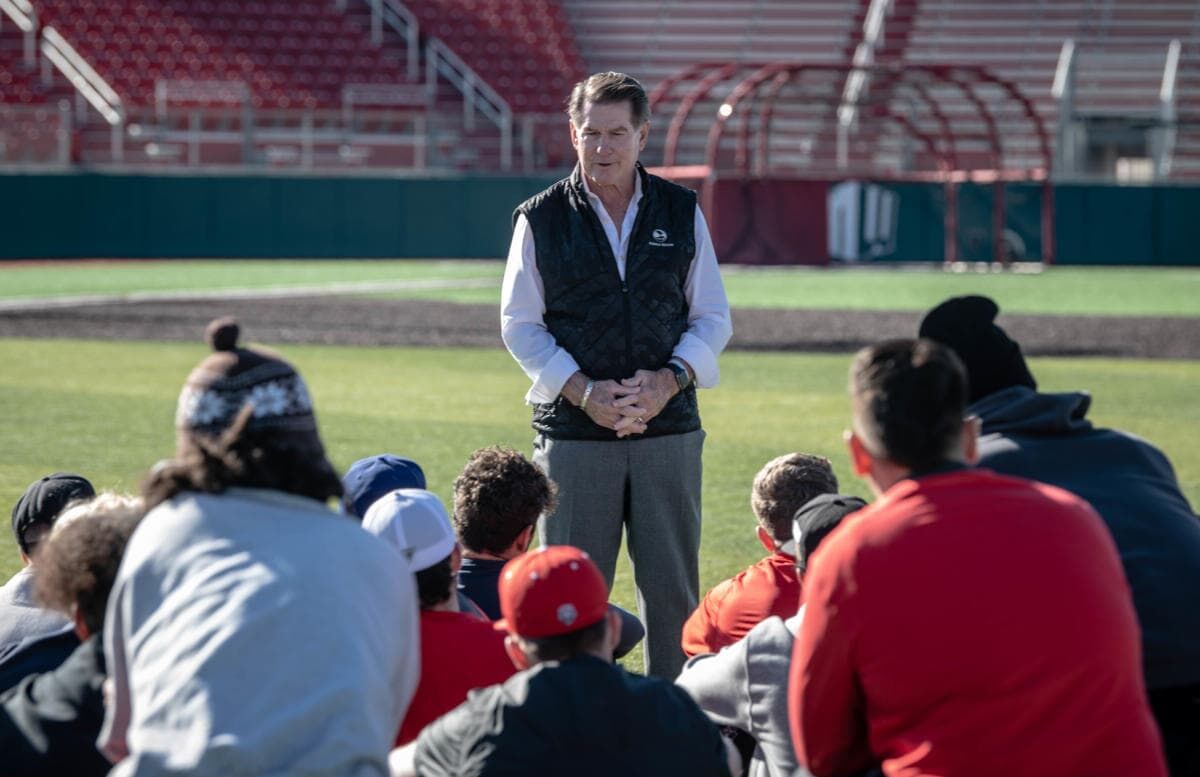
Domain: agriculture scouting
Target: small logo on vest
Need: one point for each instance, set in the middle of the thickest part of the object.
(659, 239)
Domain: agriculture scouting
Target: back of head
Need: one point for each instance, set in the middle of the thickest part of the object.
(36, 511)
(78, 562)
(609, 87)
(414, 522)
(908, 400)
(499, 494)
(784, 485)
(992, 360)
(369, 479)
(816, 520)
(244, 418)
(555, 601)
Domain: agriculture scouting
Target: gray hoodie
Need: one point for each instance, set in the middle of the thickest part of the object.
(745, 686)
(1132, 485)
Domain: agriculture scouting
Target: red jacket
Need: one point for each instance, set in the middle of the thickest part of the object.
(459, 652)
(733, 607)
(971, 624)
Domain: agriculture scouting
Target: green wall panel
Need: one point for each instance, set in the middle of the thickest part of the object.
(101, 215)
(98, 215)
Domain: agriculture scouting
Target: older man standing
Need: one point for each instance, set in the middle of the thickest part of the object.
(614, 307)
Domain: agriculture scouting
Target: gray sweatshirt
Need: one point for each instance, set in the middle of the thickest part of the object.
(745, 686)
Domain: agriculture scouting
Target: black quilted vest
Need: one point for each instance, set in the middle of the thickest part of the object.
(614, 328)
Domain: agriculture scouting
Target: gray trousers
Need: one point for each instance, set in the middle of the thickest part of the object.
(650, 488)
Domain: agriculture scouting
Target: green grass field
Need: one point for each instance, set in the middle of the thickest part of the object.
(1107, 291)
(105, 408)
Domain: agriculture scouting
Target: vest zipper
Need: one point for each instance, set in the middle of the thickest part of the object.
(634, 231)
(629, 367)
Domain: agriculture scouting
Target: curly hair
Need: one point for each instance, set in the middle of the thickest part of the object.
(496, 496)
(77, 564)
(784, 485)
(294, 464)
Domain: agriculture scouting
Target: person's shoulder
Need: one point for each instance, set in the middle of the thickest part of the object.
(551, 193)
(771, 631)
(754, 583)
(461, 626)
(667, 185)
(443, 746)
(717, 596)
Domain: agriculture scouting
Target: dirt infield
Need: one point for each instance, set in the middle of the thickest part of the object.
(363, 321)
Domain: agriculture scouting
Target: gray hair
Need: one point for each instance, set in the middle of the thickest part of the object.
(609, 87)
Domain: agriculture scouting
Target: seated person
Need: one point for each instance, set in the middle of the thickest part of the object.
(964, 623)
(49, 722)
(744, 686)
(770, 587)
(570, 711)
(251, 628)
(32, 517)
(498, 498)
(375, 476)
(1130, 482)
(459, 651)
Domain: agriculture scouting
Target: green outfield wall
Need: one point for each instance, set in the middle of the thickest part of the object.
(86, 215)
(132, 216)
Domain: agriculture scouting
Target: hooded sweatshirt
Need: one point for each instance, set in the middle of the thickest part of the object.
(1133, 487)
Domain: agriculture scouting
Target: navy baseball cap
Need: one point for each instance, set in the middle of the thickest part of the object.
(44, 500)
(371, 478)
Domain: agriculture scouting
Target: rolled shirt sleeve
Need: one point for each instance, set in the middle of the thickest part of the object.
(709, 324)
(549, 366)
(522, 323)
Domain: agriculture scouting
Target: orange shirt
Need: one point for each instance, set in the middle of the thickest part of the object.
(733, 607)
(971, 624)
(459, 652)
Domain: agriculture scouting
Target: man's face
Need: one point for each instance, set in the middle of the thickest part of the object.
(607, 143)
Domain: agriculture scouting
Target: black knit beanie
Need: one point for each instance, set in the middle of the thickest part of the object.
(967, 326)
(231, 378)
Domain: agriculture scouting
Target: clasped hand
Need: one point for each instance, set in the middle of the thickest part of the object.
(626, 406)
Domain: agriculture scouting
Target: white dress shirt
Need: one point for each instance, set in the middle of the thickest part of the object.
(549, 366)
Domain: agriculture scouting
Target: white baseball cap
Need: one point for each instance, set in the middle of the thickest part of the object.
(414, 522)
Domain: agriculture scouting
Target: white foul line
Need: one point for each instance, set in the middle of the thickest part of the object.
(261, 292)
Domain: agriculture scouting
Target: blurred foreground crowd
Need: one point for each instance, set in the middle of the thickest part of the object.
(1018, 597)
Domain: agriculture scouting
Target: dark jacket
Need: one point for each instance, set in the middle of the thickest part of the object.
(611, 326)
(35, 655)
(579, 717)
(49, 722)
(1132, 485)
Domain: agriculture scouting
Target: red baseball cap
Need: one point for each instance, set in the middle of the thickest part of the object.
(551, 591)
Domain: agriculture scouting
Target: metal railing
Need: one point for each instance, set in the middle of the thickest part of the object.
(24, 15)
(400, 19)
(89, 86)
(1152, 125)
(477, 94)
(1168, 111)
(857, 82)
(441, 61)
(243, 137)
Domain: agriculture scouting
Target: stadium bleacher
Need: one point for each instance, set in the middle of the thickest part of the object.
(301, 55)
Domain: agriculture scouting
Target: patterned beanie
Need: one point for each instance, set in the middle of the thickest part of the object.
(231, 378)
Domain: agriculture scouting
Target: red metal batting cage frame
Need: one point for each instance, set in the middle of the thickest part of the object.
(969, 126)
